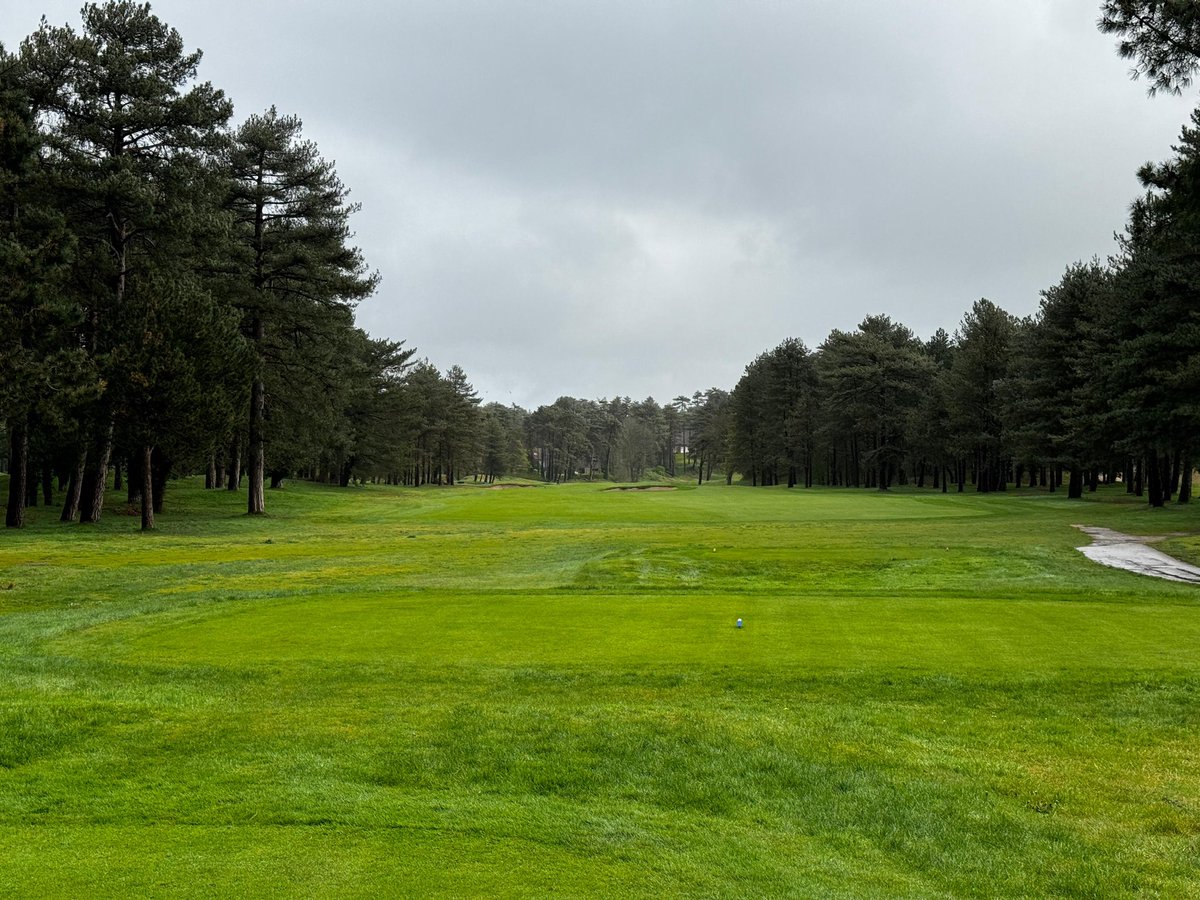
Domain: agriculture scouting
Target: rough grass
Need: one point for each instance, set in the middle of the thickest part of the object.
(461, 692)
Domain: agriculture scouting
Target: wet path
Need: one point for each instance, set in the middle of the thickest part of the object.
(1130, 552)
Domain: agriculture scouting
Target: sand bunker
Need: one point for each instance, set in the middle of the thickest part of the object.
(1131, 553)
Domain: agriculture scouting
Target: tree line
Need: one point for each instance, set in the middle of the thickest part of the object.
(177, 295)
(176, 291)
(1102, 383)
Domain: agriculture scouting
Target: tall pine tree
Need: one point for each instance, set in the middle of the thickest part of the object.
(297, 272)
(120, 112)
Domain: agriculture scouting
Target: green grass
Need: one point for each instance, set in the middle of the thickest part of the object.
(455, 692)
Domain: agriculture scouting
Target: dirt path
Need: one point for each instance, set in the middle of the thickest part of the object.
(1130, 552)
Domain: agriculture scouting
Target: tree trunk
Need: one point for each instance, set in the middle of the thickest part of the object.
(1075, 484)
(95, 476)
(47, 483)
(210, 474)
(91, 498)
(256, 503)
(235, 465)
(147, 479)
(134, 494)
(1154, 486)
(1185, 484)
(18, 465)
(71, 505)
(160, 469)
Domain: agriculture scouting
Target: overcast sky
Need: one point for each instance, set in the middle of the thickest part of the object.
(636, 198)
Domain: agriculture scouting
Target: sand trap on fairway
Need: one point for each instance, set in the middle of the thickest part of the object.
(1129, 552)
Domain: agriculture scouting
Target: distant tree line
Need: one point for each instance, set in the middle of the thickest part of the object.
(624, 440)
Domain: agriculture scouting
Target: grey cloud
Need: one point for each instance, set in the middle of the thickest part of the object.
(617, 197)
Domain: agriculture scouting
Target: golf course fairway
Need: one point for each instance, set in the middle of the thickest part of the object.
(376, 691)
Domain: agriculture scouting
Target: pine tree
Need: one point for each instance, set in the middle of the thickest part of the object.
(119, 114)
(1151, 360)
(37, 363)
(1161, 36)
(874, 378)
(1055, 408)
(297, 274)
(982, 362)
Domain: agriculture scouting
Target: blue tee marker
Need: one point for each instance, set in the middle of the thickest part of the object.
(739, 623)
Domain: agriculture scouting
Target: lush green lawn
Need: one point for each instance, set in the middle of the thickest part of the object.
(465, 691)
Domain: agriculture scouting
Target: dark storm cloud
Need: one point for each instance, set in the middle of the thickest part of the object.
(636, 198)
